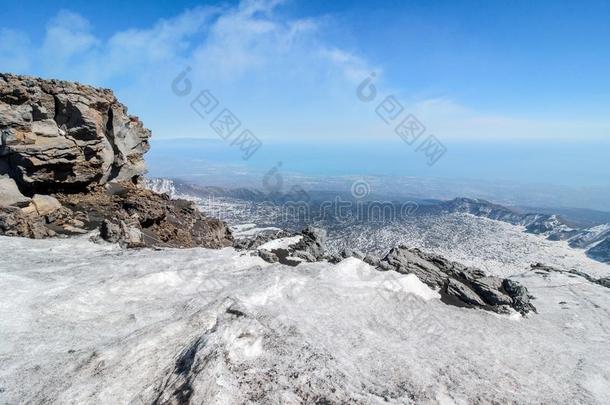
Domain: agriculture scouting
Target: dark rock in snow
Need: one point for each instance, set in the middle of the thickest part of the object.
(520, 296)
(372, 260)
(462, 292)
(490, 289)
(469, 286)
(349, 252)
(312, 246)
(268, 256)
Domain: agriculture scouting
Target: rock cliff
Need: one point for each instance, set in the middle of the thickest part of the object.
(63, 136)
(70, 161)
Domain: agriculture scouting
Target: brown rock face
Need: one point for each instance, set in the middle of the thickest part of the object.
(63, 136)
(136, 217)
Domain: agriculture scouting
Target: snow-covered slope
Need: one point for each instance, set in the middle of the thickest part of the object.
(88, 323)
(494, 246)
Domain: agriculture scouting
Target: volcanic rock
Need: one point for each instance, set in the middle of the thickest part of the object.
(458, 284)
(70, 161)
(63, 136)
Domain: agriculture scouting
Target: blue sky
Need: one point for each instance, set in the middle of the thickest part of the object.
(486, 72)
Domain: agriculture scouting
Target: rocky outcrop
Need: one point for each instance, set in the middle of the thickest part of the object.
(347, 253)
(123, 213)
(459, 285)
(309, 245)
(312, 247)
(70, 161)
(136, 217)
(59, 136)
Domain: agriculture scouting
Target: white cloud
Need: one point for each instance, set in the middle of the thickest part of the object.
(67, 35)
(249, 37)
(354, 67)
(252, 50)
(449, 119)
(223, 42)
(14, 51)
(143, 52)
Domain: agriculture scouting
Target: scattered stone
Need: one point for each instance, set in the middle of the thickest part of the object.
(150, 219)
(334, 258)
(14, 222)
(127, 235)
(70, 229)
(349, 252)
(268, 256)
(520, 296)
(45, 204)
(132, 236)
(372, 260)
(110, 231)
(312, 246)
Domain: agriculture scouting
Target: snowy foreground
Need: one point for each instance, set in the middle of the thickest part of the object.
(88, 323)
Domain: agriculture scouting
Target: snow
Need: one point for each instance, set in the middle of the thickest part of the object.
(244, 230)
(91, 323)
(353, 273)
(496, 247)
(281, 243)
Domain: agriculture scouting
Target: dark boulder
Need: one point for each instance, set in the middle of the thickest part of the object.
(458, 284)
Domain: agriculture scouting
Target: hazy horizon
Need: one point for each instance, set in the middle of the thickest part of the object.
(488, 92)
(509, 92)
(211, 161)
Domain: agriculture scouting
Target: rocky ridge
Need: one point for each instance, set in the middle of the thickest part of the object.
(458, 285)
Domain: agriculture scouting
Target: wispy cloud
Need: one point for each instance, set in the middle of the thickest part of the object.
(454, 120)
(244, 50)
(14, 51)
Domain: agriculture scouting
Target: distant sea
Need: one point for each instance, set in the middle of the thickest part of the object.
(568, 174)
